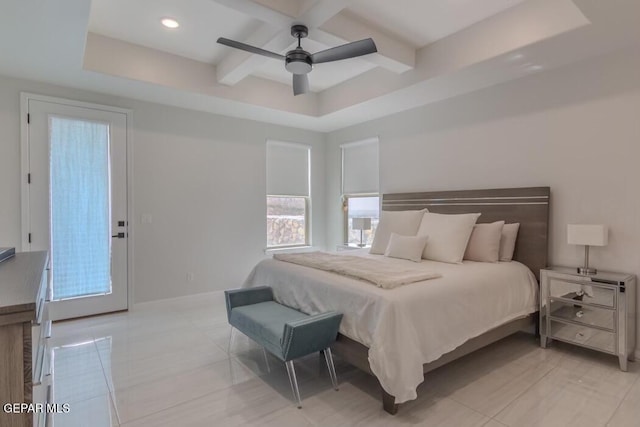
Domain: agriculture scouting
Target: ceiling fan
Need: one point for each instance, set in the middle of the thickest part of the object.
(299, 62)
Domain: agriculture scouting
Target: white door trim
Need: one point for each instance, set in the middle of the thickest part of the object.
(24, 165)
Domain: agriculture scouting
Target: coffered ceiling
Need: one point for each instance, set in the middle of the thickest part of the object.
(427, 50)
(267, 24)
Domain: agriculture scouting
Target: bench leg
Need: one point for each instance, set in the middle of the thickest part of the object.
(294, 382)
(328, 357)
(266, 359)
(230, 341)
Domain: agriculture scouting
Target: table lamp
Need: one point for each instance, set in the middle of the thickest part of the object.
(361, 224)
(587, 235)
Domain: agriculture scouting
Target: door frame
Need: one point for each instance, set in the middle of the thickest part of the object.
(25, 97)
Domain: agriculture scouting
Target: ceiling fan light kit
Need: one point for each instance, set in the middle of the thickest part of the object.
(299, 62)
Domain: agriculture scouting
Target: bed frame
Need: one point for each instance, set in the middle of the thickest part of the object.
(527, 206)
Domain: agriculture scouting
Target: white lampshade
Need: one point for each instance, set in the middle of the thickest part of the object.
(587, 234)
(361, 223)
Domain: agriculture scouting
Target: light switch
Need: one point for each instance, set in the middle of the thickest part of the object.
(146, 219)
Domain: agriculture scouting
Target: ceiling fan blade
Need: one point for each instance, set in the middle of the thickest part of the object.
(249, 48)
(300, 84)
(346, 51)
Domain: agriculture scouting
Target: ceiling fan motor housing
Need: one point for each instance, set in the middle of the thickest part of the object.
(298, 61)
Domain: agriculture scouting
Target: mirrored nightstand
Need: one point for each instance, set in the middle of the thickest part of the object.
(596, 311)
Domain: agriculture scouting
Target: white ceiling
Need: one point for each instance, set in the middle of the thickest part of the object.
(201, 23)
(420, 22)
(51, 42)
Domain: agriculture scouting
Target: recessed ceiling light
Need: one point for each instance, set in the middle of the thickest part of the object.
(170, 23)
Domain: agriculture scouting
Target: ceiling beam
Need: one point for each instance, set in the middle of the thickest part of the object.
(345, 27)
(288, 7)
(321, 11)
(238, 64)
(269, 35)
(260, 11)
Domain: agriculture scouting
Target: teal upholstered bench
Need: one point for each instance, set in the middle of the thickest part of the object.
(286, 333)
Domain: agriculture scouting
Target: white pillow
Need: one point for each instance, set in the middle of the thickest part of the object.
(405, 223)
(484, 243)
(508, 241)
(406, 247)
(448, 235)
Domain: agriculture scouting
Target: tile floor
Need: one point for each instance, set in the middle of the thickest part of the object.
(166, 364)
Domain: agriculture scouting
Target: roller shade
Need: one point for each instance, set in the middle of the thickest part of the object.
(287, 169)
(360, 173)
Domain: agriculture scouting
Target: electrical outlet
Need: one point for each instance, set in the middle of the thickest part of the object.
(146, 219)
(189, 277)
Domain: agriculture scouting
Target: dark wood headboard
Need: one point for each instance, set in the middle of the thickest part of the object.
(528, 206)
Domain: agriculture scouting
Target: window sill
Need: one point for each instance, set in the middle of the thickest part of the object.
(351, 246)
(289, 249)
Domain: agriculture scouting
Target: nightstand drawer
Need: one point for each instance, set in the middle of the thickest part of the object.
(584, 335)
(584, 314)
(591, 293)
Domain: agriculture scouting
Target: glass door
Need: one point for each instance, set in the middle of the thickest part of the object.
(78, 205)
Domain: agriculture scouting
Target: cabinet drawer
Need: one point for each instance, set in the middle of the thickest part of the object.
(584, 335)
(43, 295)
(42, 365)
(42, 325)
(590, 293)
(49, 289)
(40, 352)
(43, 394)
(584, 314)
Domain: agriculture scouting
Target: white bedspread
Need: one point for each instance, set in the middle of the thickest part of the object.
(415, 323)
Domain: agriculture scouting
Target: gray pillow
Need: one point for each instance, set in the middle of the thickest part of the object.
(508, 241)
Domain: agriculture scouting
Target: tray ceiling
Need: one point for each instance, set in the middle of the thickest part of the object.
(427, 50)
(426, 21)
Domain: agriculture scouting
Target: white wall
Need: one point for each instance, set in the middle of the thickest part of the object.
(200, 176)
(575, 129)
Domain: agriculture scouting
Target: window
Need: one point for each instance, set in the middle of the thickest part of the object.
(361, 207)
(360, 188)
(80, 207)
(286, 221)
(288, 194)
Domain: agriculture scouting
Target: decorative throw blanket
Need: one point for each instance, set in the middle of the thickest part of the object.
(383, 275)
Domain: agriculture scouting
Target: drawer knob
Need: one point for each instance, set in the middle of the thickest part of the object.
(580, 314)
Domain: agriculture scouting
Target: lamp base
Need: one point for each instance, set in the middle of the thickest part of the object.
(585, 271)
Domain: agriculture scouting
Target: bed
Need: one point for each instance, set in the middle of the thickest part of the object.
(398, 335)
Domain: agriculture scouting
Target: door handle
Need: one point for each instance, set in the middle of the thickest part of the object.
(119, 236)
